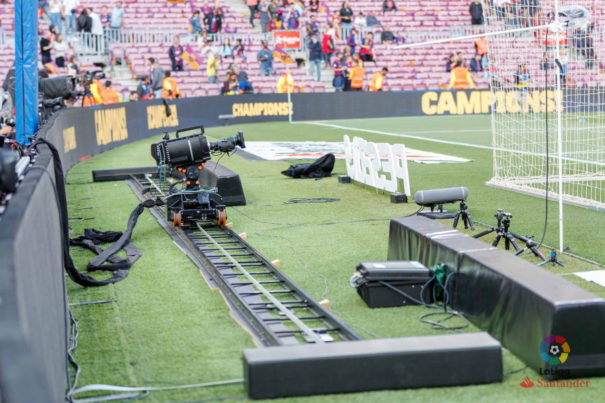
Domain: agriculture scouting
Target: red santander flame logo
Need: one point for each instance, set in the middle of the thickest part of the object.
(527, 383)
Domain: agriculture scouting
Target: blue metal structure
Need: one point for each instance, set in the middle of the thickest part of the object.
(26, 69)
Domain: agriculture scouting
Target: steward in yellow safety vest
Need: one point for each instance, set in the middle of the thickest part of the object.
(377, 80)
(461, 78)
(285, 83)
(169, 87)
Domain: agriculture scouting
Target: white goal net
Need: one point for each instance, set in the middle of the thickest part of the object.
(558, 70)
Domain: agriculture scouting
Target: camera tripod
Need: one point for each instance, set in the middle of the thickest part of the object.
(553, 259)
(510, 238)
(466, 217)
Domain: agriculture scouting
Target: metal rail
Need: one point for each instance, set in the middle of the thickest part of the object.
(273, 307)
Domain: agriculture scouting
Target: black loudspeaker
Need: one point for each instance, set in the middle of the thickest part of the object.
(393, 283)
(356, 366)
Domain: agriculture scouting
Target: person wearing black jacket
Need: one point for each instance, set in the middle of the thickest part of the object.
(84, 22)
(476, 11)
(214, 21)
(315, 56)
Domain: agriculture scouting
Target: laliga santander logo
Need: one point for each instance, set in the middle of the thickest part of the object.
(554, 350)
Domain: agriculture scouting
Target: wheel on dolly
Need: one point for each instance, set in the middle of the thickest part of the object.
(176, 218)
(221, 217)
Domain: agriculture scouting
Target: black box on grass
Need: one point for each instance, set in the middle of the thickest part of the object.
(393, 283)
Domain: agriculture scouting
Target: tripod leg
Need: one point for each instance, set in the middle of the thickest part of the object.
(487, 231)
(456, 218)
(495, 243)
(511, 239)
(470, 220)
(538, 253)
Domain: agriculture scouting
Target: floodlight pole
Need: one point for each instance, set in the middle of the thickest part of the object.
(559, 128)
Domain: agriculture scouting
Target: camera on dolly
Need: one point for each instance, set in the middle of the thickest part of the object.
(184, 158)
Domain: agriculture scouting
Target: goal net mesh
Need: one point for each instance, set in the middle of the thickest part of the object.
(527, 69)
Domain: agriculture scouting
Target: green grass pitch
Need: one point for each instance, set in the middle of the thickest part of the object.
(169, 328)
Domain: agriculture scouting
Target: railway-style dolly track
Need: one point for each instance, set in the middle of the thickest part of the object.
(273, 307)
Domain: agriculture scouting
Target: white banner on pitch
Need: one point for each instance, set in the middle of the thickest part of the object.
(379, 165)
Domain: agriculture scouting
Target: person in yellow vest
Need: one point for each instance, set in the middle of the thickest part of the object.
(109, 95)
(170, 88)
(357, 75)
(285, 83)
(481, 45)
(377, 80)
(92, 94)
(461, 78)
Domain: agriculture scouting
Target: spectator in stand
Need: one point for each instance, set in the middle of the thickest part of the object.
(208, 48)
(360, 21)
(292, 18)
(347, 66)
(96, 29)
(170, 89)
(476, 65)
(84, 22)
(327, 45)
(461, 78)
(313, 6)
(109, 95)
(212, 66)
(366, 53)
(388, 5)
(243, 80)
(61, 48)
(460, 59)
(476, 11)
(273, 8)
(277, 22)
(285, 84)
(315, 56)
(346, 19)
(451, 63)
(386, 36)
(352, 40)
(133, 96)
(522, 80)
(46, 46)
(230, 86)
(252, 5)
(43, 4)
(481, 45)
(265, 57)
(117, 16)
(196, 25)
(214, 21)
(311, 27)
(371, 20)
(54, 13)
(338, 82)
(546, 64)
(157, 76)
(69, 11)
(399, 38)
(357, 76)
(264, 16)
(226, 50)
(143, 88)
(174, 53)
(239, 50)
(105, 18)
(377, 80)
(205, 9)
(72, 66)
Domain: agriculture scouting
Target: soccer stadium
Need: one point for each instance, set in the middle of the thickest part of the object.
(323, 201)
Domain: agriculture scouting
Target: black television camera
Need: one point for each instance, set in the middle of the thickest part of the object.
(187, 155)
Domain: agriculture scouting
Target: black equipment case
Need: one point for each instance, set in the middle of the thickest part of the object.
(376, 283)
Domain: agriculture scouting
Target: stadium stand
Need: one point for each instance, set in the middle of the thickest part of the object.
(149, 26)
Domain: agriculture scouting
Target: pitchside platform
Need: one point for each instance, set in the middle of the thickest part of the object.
(517, 302)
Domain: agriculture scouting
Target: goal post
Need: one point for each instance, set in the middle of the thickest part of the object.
(551, 81)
